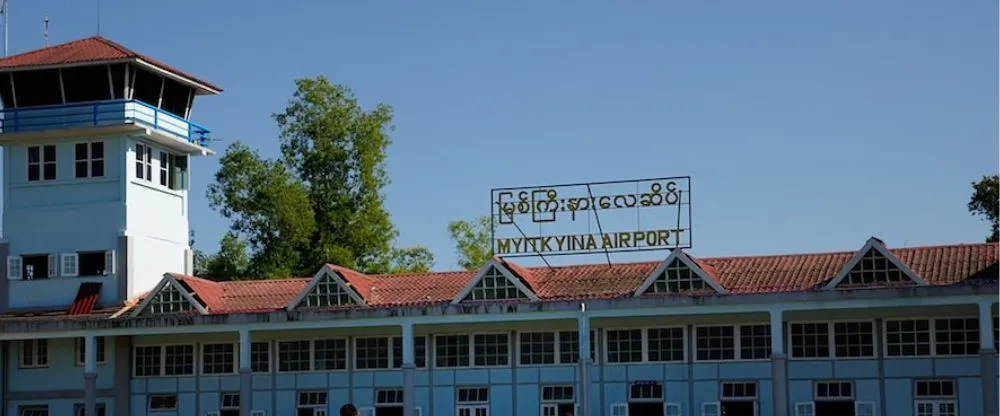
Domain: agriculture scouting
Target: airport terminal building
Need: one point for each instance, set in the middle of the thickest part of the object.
(99, 313)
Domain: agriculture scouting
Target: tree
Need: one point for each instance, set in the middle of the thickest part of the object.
(472, 242)
(984, 202)
(321, 201)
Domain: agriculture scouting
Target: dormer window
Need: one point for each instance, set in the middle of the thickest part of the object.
(41, 163)
(875, 268)
(169, 300)
(328, 292)
(495, 286)
(677, 278)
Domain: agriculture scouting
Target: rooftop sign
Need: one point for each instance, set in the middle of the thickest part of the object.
(588, 218)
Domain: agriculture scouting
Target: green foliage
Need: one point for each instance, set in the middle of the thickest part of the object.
(472, 242)
(416, 259)
(230, 263)
(984, 202)
(321, 201)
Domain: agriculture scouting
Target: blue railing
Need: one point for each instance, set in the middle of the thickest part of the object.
(101, 113)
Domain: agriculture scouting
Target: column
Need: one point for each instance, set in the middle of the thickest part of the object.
(246, 378)
(779, 364)
(409, 367)
(987, 358)
(90, 375)
(583, 324)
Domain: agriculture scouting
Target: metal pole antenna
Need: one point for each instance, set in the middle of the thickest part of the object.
(3, 9)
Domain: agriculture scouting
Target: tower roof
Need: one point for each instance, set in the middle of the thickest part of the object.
(97, 50)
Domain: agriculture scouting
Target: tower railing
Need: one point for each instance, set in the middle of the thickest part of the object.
(100, 114)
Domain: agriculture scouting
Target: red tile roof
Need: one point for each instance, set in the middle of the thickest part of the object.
(86, 299)
(95, 49)
(938, 265)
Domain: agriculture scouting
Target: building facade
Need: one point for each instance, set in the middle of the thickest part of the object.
(99, 313)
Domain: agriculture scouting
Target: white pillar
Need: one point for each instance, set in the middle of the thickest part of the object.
(409, 367)
(246, 377)
(987, 358)
(583, 323)
(90, 375)
(779, 363)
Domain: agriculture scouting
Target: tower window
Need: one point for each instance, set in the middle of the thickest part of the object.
(90, 160)
(38, 266)
(96, 263)
(42, 163)
(143, 162)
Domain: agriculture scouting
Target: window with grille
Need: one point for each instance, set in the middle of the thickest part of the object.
(755, 342)
(925, 337)
(260, 357)
(218, 358)
(537, 348)
(956, 336)
(557, 393)
(569, 347)
(163, 360)
(473, 401)
(908, 338)
(89, 159)
(311, 403)
(41, 163)
(159, 402)
(229, 404)
(372, 353)
(80, 408)
(935, 398)
(742, 390)
(810, 340)
(645, 391)
(874, 268)
(419, 352)
(624, 345)
(495, 286)
(854, 339)
(81, 353)
(715, 343)
(34, 353)
(834, 390)
(451, 351)
(665, 344)
(294, 356)
(34, 410)
(330, 354)
(491, 349)
(168, 300)
(677, 278)
(390, 397)
(328, 292)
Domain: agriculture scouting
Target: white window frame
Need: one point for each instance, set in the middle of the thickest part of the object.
(464, 294)
(472, 406)
(832, 339)
(222, 401)
(869, 404)
(645, 344)
(38, 348)
(390, 356)
(269, 354)
(102, 350)
(711, 409)
(312, 356)
(318, 409)
(90, 159)
(805, 409)
(817, 398)
(202, 361)
(619, 409)
(149, 403)
(145, 159)
(936, 400)
(472, 350)
(672, 409)
(14, 267)
(932, 327)
(321, 277)
(42, 162)
(558, 335)
(663, 393)
(162, 366)
(69, 264)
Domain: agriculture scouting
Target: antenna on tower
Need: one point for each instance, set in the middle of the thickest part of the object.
(45, 32)
(3, 9)
(98, 17)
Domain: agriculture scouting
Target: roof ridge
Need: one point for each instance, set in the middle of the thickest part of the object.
(121, 48)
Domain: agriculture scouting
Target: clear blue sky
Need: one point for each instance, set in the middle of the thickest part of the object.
(805, 126)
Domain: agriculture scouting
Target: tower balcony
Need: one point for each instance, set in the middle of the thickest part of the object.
(100, 117)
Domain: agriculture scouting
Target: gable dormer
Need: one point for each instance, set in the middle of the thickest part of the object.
(874, 265)
(330, 287)
(170, 296)
(494, 281)
(679, 273)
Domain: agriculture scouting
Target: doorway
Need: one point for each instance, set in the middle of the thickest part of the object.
(645, 409)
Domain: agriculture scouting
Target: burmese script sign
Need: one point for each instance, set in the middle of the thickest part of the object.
(597, 217)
